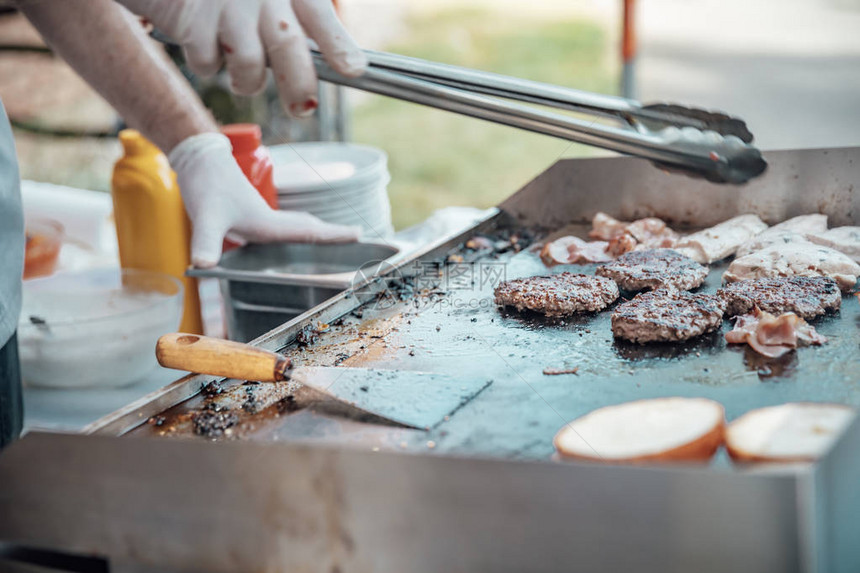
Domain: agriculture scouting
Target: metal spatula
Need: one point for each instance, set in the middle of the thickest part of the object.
(418, 400)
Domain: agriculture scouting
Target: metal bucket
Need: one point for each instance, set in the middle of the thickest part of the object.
(264, 286)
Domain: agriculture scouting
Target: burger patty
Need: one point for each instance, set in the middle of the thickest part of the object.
(558, 295)
(807, 297)
(654, 268)
(667, 315)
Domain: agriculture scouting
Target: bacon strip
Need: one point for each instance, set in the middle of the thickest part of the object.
(573, 250)
(773, 336)
(623, 237)
(606, 228)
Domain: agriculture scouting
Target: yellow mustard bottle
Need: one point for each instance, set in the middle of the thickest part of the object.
(152, 229)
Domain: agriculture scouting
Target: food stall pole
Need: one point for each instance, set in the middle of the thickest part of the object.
(628, 51)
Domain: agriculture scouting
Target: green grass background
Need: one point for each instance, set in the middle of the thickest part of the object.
(438, 158)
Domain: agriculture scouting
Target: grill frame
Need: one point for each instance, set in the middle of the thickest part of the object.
(433, 510)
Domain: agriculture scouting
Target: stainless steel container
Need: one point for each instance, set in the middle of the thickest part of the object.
(264, 286)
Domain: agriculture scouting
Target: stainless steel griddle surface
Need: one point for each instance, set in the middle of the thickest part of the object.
(449, 324)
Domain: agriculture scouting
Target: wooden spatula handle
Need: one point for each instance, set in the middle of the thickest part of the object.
(218, 357)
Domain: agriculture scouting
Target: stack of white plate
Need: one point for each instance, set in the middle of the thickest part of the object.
(338, 182)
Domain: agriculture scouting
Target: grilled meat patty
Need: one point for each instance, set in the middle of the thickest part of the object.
(807, 297)
(654, 268)
(667, 315)
(558, 295)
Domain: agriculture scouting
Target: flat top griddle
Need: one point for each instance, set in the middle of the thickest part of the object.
(486, 513)
(444, 320)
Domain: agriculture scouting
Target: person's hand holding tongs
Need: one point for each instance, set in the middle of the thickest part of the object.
(248, 34)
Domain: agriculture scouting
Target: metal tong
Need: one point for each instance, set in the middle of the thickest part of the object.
(699, 143)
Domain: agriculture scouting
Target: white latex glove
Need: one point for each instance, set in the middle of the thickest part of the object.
(247, 33)
(220, 200)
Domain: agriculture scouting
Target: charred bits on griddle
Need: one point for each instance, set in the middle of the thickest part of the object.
(251, 404)
(211, 389)
(287, 404)
(310, 335)
(213, 424)
(341, 356)
(214, 407)
(512, 240)
(307, 336)
(397, 289)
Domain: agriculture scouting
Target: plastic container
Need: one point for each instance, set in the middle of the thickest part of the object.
(44, 240)
(86, 216)
(253, 158)
(153, 231)
(95, 328)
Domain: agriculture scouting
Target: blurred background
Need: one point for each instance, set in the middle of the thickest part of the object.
(790, 68)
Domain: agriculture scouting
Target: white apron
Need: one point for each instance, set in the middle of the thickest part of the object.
(11, 233)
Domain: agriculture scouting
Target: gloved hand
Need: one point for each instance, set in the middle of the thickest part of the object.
(220, 200)
(247, 33)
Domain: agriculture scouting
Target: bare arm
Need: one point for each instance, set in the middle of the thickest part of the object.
(109, 49)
